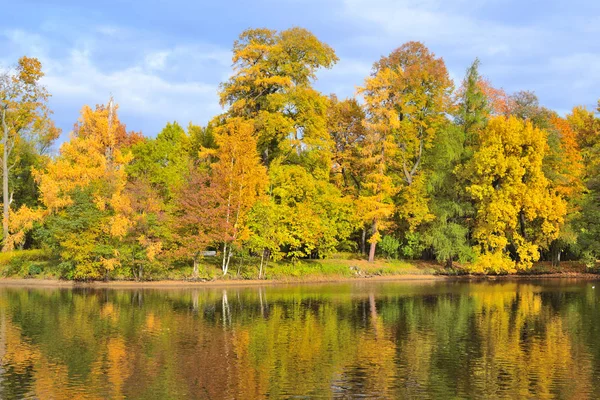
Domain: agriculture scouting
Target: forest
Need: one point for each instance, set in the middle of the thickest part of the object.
(415, 167)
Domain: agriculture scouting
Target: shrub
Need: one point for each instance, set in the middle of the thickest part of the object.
(389, 246)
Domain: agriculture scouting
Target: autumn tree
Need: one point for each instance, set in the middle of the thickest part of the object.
(563, 166)
(241, 179)
(271, 86)
(271, 89)
(155, 176)
(26, 127)
(346, 124)
(314, 217)
(83, 191)
(516, 210)
(198, 217)
(586, 126)
(406, 98)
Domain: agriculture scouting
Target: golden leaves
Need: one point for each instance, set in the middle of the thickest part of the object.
(514, 202)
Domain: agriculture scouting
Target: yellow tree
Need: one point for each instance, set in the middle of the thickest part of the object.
(271, 85)
(586, 125)
(516, 207)
(375, 203)
(83, 190)
(24, 115)
(406, 98)
(241, 179)
(346, 124)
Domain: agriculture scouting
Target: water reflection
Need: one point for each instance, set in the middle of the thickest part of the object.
(389, 340)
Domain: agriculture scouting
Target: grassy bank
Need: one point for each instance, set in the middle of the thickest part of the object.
(36, 264)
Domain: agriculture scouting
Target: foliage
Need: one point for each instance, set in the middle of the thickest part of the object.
(514, 204)
(27, 133)
(389, 245)
(285, 174)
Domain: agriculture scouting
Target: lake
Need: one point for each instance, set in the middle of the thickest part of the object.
(418, 340)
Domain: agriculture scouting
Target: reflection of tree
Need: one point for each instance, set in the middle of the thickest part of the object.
(476, 340)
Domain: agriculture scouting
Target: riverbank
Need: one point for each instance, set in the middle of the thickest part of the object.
(33, 268)
(166, 284)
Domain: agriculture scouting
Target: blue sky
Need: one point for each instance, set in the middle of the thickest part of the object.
(163, 60)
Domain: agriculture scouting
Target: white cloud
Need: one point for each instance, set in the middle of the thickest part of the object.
(164, 85)
(552, 51)
(157, 60)
(441, 22)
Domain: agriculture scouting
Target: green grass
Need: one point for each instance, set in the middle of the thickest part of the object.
(339, 266)
(40, 264)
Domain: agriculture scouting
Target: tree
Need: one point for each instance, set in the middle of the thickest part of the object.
(267, 236)
(25, 119)
(148, 228)
(346, 124)
(83, 191)
(163, 161)
(516, 210)
(563, 166)
(586, 126)
(240, 178)
(314, 218)
(155, 176)
(473, 104)
(271, 86)
(448, 234)
(198, 217)
(376, 205)
(406, 99)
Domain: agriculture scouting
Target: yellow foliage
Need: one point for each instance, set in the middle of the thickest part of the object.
(91, 161)
(515, 205)
(497, 263)
(20, 223)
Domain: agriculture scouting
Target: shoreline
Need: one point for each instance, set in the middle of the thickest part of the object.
(172, 284)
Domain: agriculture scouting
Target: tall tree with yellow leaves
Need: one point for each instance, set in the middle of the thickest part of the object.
(406, 98)
(240, 178)
(271, 86)
(517, 211)
(25, 116)
(346, 124)
(87, 181)
(585, 124)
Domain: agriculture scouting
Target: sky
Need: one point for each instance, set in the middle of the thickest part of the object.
(163, 60)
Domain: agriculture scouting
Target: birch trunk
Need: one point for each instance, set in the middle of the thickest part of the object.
(373, 243)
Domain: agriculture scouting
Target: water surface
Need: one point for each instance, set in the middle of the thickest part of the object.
(427, 340)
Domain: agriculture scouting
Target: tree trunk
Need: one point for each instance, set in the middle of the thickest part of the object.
(522, 224)
(262, 259)
(228, 260)
(449, 263)
(195, 273)
(373, 243)
(223, 267)
(555, 253)
(363, 241)
(5, 198)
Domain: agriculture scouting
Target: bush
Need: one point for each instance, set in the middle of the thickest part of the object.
(389, 246)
